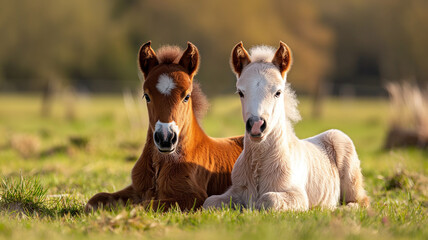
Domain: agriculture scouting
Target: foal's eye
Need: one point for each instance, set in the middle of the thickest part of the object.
(186, 98)
(241, 95)
(146, 97)
(278, 93)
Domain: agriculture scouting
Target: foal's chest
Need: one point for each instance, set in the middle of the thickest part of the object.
(267, 175)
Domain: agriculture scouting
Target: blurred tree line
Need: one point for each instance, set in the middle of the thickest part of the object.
(93, 44)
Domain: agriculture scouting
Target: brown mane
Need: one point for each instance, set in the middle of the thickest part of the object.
(200, 102)
(169, 54)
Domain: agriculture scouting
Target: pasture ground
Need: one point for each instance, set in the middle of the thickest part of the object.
(49, 168)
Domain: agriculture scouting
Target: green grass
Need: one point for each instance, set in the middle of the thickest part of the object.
(24, 195)
(49, 168)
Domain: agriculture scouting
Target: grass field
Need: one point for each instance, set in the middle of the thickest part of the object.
(49, 168)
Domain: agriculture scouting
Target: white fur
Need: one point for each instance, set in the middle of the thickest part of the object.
(262, 54)
(166, 127)
(165, 84)
(283, 172)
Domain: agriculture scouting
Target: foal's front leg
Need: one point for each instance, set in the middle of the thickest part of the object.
(109, 200)
(188, 196)
(292, 199)
(142, 175)
(234, 194)
(231, 196)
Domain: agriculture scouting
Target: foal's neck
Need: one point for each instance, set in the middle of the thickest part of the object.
(279, 139)
(191, 134)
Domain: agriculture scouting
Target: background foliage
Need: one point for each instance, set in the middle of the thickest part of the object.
(92, 45)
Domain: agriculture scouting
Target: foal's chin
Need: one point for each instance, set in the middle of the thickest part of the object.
(166, 151)
(256, 139)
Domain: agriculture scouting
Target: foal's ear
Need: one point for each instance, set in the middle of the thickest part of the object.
(190, 59)
(239, 58)
(147, 59)
(282, 58)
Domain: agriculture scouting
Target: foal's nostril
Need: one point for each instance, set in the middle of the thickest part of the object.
(165, 136)
(157, 137)
(249, 125)
(263, 127)
(174, 138)
(255, 125)
(168, 142)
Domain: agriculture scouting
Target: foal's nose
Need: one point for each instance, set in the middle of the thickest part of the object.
(255, 126)
(165, 140)
(166, 136)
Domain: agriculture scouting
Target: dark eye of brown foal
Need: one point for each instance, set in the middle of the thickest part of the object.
(278, 93)
(146, 97)
(241, 95)
(186, 98)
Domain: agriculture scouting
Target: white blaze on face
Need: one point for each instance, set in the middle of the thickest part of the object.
(166, 127)
(165, 84)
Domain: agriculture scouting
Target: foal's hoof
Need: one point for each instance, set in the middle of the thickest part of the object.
(352, 205)
(213, 202)
(90, 208)
(100, 200)
(270, 200)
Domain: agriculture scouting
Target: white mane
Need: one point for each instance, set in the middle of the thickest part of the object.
(291, 102)
(262, 53)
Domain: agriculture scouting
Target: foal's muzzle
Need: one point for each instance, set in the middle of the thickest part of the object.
(255, 127)
(166, 137)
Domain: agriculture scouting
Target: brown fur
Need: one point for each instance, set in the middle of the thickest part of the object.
(240, 58)
(172, 54)
(282, 58)
(200, 103)
(200, 166)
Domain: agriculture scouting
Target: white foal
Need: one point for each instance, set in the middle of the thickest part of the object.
(276, 170)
